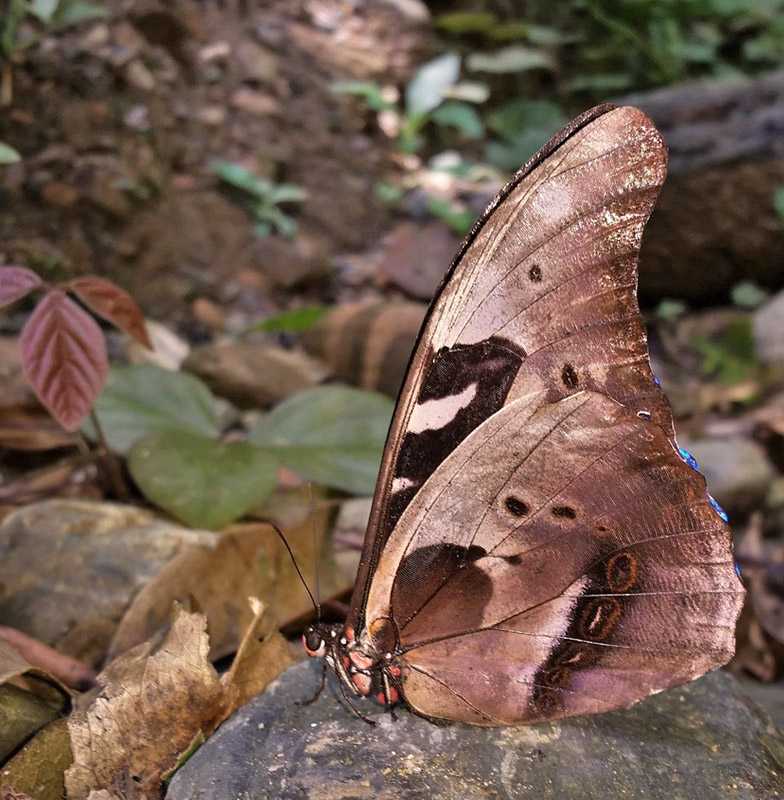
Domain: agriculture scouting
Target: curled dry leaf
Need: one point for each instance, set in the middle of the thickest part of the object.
(114, 305)
(153, 703)
(15, 283)
(257, 663)
(249, 560)
(64, 358)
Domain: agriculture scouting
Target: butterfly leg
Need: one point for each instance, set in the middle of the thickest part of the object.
(320, 687)
(353, 707)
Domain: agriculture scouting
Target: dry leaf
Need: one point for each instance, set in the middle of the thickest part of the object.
(257, 663)
(152, 705)
(38, 767)
(249, 560)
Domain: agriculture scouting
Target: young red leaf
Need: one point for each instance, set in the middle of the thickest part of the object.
(64, 358)
(15, 283)
(114, 305)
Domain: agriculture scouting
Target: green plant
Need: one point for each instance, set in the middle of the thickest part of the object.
(730, 357)
(8, 155)
(600, 47)
(44, 17)
(433, 96)
(265, 197)
(167, 425)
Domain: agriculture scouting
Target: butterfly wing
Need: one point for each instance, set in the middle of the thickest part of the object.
(585, 570)
(541, 300)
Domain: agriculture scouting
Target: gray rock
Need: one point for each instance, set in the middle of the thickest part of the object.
(737, 470)
(704, 740)
(767, 324)
(69, 568)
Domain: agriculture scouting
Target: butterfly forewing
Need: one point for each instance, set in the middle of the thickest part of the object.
(540, 300)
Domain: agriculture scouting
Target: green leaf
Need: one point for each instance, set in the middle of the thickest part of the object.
(460, 116)
(746, 294)
(515, 58)
(333, 435)
(459, 220)
(287, 193)
(731, 358)
(202, 482)
(72, 12)
(514, 119)
(458, 22)
(389, 192)
(43, 9)
(8, 155)
(524, 125)
(778, 202)
(241, 177)
(670, 308)
(372, 92)
(138, 401)
(302, 319)
(425, 90)
(469, 91)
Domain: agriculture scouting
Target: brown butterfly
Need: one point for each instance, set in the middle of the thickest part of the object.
(539, 546)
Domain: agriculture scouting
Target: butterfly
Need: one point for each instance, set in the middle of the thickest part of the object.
(539, 546)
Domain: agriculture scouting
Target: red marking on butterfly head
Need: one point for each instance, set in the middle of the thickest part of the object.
(314, 643)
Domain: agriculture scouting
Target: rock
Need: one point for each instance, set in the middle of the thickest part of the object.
(415, 257)
(294, 263)
(138, 76)
(69, 567)
(767, 325)
(256, 103)
(737, 470)
(704, 740)
(254, 375)
(257, 63)
(348, 534)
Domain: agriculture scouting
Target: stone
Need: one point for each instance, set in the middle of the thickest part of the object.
(705, 740)
(71, 567)
(256, 62)
(767, 324)
(736, 469)
(254, 375)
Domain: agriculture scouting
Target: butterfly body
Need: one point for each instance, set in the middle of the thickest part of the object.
(538, 547)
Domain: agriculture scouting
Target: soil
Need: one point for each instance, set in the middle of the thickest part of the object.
(117, 121)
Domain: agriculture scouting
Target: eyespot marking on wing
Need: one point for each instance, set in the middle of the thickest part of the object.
(515, 506)
(569, 376)
(535, 274)
(564, 512)
(621, 572)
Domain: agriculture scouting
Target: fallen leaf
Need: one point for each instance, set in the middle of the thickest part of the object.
(257, 663)
(153, 703)
(38, 768)
(249, 560)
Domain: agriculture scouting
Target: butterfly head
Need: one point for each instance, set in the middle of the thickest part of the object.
(315, 641)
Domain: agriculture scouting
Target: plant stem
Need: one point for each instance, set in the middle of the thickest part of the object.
(119, 484)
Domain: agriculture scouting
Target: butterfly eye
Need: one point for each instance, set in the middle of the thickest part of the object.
(315, 646)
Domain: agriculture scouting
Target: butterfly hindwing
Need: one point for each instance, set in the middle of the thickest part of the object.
(559, 589)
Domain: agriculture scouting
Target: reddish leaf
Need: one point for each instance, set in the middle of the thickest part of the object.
(64, 358)
(15, 283)
(114, 305)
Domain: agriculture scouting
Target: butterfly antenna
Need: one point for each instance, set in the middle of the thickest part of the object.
(315, 551)
(296, 567)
